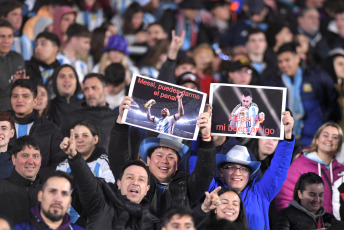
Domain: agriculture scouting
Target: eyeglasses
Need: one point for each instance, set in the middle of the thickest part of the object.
(233, 169)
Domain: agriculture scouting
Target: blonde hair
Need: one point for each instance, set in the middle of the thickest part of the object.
(314, 146)
(105, 62)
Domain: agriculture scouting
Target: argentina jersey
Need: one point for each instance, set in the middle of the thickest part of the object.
(252, 116)
(166, 125)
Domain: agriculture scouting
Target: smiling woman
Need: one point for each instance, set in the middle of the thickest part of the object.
(306, 211)
(86, 140)
(231, 208)
(320, 159)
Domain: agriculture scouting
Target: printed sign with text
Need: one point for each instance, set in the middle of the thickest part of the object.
(164, 107)
(247, 111)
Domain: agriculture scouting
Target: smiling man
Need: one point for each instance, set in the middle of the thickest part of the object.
(237, 171)
(55, 200)
(18, 193)
(108, 206)
(169, 186)
(28, 122)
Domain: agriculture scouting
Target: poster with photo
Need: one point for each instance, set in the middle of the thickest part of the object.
(164, 107)
(247, 111)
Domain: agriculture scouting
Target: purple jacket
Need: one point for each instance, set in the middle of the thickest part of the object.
(304, 165)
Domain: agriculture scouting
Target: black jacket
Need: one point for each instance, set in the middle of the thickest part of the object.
(9, 65)
(183, 189)
(33, 69)
(295, 217)
(49, 137)
(17, 196)
(59, 107)
(102, 117)
(104, 205)
(6, 164)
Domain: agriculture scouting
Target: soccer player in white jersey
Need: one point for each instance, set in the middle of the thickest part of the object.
(167, 122)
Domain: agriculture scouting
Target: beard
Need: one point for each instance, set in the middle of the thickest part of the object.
(54, 217)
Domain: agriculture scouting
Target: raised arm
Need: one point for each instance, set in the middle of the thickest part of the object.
(276, 174)
(90, 193)
(119, 140)
(180, 113)
(167, 70)
(149, 115)
(204, 172)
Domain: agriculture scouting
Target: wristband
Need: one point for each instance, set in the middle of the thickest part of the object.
(207, 137)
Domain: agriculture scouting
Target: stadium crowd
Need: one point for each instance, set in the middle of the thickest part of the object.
(67, 161)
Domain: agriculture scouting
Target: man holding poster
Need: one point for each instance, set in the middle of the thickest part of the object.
(166, 123)
(245, 116)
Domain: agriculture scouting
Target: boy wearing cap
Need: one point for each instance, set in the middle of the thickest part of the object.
(189, 80)
(240, 72)
(237, 171)
(162, 154)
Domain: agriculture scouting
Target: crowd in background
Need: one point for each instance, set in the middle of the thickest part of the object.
(65, 71)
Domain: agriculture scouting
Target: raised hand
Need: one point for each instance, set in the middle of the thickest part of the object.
(288, 122)
(211, 201)
(126, 104)
(20, 74)
(68, 145)
(176, 43)
(204, 123)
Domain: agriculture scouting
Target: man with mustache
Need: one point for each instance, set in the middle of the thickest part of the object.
(55, 200)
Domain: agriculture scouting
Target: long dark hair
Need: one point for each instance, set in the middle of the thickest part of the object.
(154, 54)
(97, 43)
(128, 15)
(45, 112)
(239, 223)
(303, 181)
(254, 146)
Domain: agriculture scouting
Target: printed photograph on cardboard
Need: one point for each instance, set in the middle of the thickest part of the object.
(164, 108)
(247, 111)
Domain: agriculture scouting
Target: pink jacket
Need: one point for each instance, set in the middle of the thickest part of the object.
(303, 165)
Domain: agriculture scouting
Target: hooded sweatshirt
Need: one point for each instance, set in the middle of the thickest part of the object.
(309, 162)
(37, 222)
(58, 14)
(59, 106)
